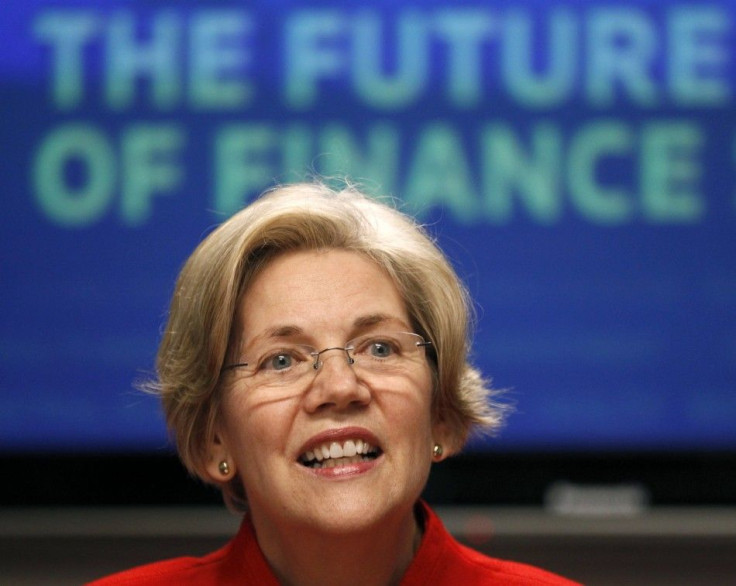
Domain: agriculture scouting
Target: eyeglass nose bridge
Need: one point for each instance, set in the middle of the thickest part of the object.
(317, 362)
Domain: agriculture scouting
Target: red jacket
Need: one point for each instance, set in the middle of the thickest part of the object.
(440, 560)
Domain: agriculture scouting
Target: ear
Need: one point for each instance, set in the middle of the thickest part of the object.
(217, 453)
(443, 436)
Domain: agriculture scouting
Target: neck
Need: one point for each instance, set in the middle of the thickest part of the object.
(376, 556)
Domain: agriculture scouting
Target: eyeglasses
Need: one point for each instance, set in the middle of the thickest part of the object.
(382, 353)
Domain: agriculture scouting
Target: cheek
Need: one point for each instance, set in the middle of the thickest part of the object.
(427, 400)
(424, 385)
(413, 403)
(249, 424)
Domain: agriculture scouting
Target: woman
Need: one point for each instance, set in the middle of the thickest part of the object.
(314, 366)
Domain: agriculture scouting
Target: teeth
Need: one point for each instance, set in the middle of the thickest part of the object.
(337, 454)
(349, 449)
(337, 463)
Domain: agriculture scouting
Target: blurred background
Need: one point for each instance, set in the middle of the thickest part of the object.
(576, 160)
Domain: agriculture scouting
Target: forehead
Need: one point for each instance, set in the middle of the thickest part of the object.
(330, 291)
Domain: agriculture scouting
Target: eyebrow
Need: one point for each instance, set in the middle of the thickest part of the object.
(362, 322)
(282, 332)
(372, 320)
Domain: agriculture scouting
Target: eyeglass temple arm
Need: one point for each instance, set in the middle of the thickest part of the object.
(231, 366)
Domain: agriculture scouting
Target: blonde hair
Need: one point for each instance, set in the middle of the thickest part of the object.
(200, 333)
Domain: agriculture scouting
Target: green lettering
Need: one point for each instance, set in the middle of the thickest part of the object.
(439, 175)
(533, 177)
(605, 205)
(148, 152)
(74, 205)
(243, 164)
(670, 171)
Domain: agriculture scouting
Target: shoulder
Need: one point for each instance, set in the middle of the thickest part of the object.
(240, 561)
(213, 568)
(443, 560)
(480, 568)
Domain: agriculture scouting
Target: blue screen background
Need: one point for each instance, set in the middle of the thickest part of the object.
(582, 179)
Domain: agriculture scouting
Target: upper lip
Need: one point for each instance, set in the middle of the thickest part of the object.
(339, 435)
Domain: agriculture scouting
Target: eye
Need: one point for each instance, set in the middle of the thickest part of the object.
(279, 362)
(283, 359)
(380, 349)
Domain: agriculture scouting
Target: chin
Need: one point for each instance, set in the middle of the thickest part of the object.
(343, 518)
(351, 511)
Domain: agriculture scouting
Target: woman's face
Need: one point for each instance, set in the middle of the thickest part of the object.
(266, 432)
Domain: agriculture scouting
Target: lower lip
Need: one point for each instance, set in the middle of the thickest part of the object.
(345, 471)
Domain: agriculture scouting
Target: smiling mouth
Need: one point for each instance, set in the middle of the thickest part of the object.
(336, 454)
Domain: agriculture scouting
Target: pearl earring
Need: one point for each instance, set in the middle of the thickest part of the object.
(224, 468)
(437, 450)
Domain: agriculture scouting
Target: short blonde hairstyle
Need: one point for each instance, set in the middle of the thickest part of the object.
(201, 329)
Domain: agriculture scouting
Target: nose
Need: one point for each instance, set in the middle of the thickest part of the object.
(335, 384)
(318, 361)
